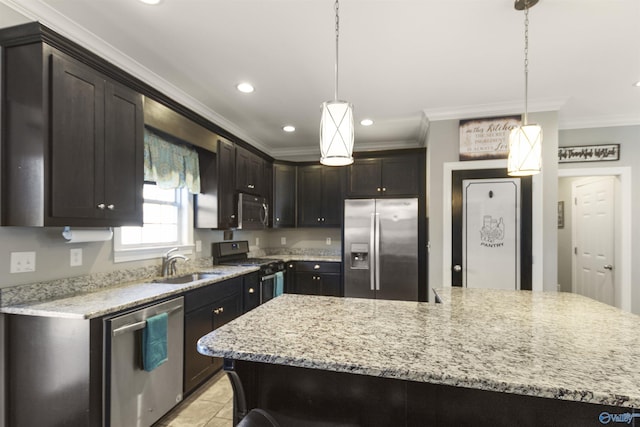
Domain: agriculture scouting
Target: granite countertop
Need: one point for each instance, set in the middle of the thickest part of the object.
(552, 345)
(95, 303)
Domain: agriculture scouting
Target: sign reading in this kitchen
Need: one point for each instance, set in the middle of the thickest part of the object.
(488, 138)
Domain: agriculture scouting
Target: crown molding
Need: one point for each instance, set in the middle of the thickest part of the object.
(495, 109)
(600, 122)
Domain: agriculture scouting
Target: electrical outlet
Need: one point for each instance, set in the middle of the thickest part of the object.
(198, 245)
(23, 262)
(75, 257)
(257, 241)
(328, 240)
(283, 240)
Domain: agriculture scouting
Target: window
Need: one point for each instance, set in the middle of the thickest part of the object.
(167, 223)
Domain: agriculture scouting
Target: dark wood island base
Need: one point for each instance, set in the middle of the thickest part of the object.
(315, 395)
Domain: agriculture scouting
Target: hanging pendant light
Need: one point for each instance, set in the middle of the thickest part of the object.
(336, 122)
(525, 141)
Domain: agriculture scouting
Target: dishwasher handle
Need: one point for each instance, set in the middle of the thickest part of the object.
(138, 325)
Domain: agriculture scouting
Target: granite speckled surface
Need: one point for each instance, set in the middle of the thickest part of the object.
(552, 345)
(90, 301)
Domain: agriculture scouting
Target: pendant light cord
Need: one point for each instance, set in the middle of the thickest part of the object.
(526, 63)
(337, 9)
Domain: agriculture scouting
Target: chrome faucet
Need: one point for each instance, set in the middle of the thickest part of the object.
(169, 262)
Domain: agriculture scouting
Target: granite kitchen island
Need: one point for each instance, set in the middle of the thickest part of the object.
(482, 357)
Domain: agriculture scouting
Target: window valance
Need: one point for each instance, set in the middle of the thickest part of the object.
(170, 165)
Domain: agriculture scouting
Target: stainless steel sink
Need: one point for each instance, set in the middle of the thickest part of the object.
(187, 278)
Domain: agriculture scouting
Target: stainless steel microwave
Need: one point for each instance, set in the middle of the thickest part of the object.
(253, 212)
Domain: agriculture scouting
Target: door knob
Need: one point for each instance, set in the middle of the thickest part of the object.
(457, 268)
(608, 267)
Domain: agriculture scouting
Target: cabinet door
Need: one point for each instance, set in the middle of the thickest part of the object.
(226, 184)
(307, 283)
(123, 155)
(249, 172)
(196, 366)
(401, 175)
(332, 196)
(364, 177)
(267, 184)
(205, 204)
(284, 196)
(77, 140)
(251, 289)
(330, 285)
(226, 310)
(309, 196)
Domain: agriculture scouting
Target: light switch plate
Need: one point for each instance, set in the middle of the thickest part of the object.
(23, 262)
(75, 257)
(257, 241)
(328, 240)
(283, 240)
(198, 245)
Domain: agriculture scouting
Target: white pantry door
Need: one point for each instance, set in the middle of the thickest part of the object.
(594, 236)
(491, 233)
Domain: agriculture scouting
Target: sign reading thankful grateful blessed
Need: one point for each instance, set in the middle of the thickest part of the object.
(487, 138)
(589, 153)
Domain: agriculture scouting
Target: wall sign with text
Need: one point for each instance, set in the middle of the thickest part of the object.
(487, 138)
(589, 153)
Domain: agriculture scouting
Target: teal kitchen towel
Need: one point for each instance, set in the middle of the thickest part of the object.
(279, 287)
(154, 342)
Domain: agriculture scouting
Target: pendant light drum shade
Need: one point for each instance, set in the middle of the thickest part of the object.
(336, 133)
(525, 150)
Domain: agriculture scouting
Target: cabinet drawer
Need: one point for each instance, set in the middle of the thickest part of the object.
(318, 267)
(202, 296)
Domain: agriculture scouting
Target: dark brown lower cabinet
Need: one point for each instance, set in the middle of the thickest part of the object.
(206, 309)
(317, 278)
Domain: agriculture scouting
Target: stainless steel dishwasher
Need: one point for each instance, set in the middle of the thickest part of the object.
(133, 396)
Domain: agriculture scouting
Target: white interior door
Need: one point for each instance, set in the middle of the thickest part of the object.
(594, 239)
(491, 233)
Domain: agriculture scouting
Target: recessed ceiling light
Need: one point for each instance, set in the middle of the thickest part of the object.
(245, 87)
(151, 2)
(288, 128)
(366, 122)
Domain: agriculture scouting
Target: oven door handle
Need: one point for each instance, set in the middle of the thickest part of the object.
(269, 277)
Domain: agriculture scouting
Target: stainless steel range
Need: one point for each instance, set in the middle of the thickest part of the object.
(237, 253)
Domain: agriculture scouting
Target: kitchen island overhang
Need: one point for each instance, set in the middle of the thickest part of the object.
(516, 347)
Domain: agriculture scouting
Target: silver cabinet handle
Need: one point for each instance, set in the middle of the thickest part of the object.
(111, 207)
(101, 206)
(251, 186)
(608, 267)
(316, 267)
(457, 268)
(251, 290)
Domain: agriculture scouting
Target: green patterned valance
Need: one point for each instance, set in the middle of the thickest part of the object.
(170, 165)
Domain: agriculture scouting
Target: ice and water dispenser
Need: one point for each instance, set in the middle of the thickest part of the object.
(360, 256)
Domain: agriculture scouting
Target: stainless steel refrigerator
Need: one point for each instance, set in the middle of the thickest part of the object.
(380, 252)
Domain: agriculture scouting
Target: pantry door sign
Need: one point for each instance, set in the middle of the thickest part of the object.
(486, 138)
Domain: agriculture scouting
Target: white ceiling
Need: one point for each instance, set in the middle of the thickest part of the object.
(400, 60)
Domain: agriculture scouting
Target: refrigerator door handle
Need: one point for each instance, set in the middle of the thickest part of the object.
(377, 251)
(372, 264)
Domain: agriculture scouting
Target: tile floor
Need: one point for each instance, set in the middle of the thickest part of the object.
(209, 406)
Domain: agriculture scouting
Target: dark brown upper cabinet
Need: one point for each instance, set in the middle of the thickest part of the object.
(320, 196)
(393, 174)
(284, 195)
(72, 147)
(226, 185)
(249, 172)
